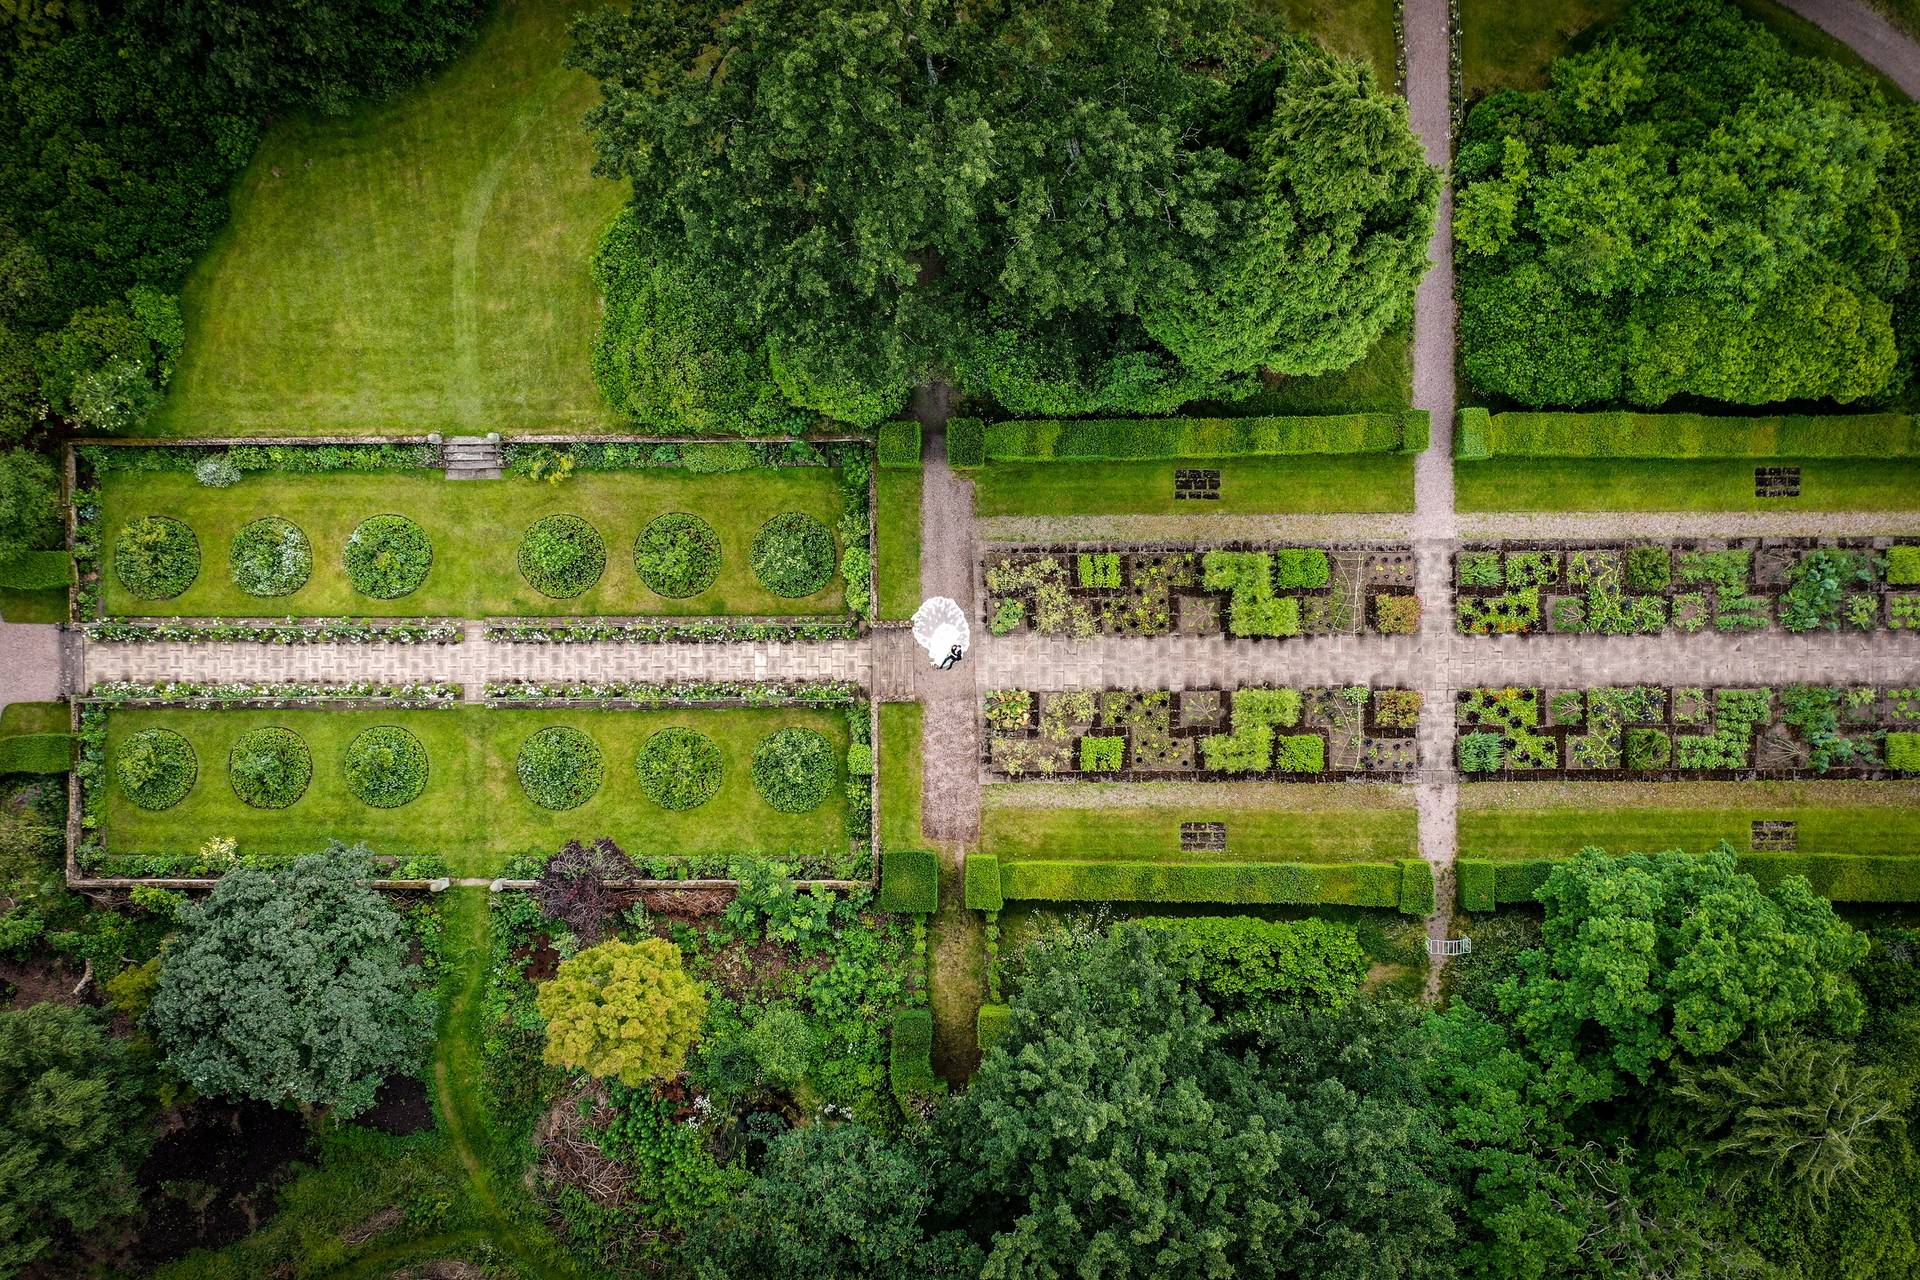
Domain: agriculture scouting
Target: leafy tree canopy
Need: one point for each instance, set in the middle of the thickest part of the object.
(1066, 204)
(289, 984)
(29, 503)
(622, 1010)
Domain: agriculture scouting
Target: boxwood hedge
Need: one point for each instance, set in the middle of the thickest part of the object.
(899, 444)
(910, 1068)
(1417, 895)
(1840, 877)
(910, 881)
(990, 1024)
(36, 753)
(966, 443)
(1145, 439)
(1685, 435)
(983, 883)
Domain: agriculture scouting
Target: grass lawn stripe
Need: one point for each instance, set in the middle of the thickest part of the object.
(897, 534)
(1644, 484)
(1305, 484)
(902, 725)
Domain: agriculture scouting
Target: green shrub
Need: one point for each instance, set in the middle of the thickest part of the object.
(1353, 884)
(1482, 752)
(1472, 435)
(1099, 569)
(859, 760)
(1300, 567)
(386, 767)
(1692, 435)
(1417, 894)
(1252, 609)
(677, 555)
(269, 768)
(793, 769)
(679, 768)
(387, 557)
(156, 768)
(156, 557)
(270, 557)
(910, 881)
(910, 1065)
(37, 571)
(1903, 752)
(1146, 439)
(966, 443)
(899, 444)
(561, 556)
(990, 1024)
(793, 555)
(1649, 568)
(1102, 754)
(36, 753)
(1903, 564)
(1477, 887)
(1241, 963)
(1416, 431)
(983, 883)
(217, 472)
(1300, 753)
(560, 768)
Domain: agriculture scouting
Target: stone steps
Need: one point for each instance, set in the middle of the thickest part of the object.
(472, 457)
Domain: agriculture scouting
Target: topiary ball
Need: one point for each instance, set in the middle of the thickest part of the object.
(793, 555)
(560, 768)
(793, 769)
(386, 767)
(677, 555)
(561, 556)
(156, 557)
(270, 768)
(156, 768)
(270, 557)
(387, 557)
(679, 768)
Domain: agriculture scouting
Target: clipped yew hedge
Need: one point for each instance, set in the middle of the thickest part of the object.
(1418, 896)
(898, 444)
(910, 881)
(983, 883)
(910, 1068)
(1481, 435)
(1346, 884)
(990, 1024)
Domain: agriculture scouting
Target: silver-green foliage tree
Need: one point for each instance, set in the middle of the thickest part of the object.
(290, 985)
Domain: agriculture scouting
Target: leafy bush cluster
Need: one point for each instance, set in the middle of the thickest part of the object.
(1689, 209)
(677, 555)
(560, 768)
(386, 767)
(793, 555)
(156, 557)
(794, 769)
(562, 555)
(679, 768)
(387, 557)
(270, 557)
(270, 767)
(156, 768)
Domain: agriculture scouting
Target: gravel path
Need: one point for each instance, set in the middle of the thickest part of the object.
(30, 662)
(1868, 34)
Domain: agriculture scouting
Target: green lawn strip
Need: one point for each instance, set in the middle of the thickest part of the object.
(1834, 817)
(1379, 382)
(476, 528)
(1140, 822)
(33, 717)
(901, 728)
(1357, 28)
(1248, 486)
(1619, 484)
(419, 264)
(474, 811)
(33, 606)
(897, 531)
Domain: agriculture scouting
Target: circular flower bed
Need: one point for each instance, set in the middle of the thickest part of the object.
(793, 555)
(387, 557)
(386, 767)
(270, 768)
(560, 768)
(793, 769)
(156, 557)
(679, 769)
(561, 556)
(677, 555)
(270, 557)
(157, 768)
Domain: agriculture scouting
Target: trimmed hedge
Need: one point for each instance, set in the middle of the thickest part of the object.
(1347, 884)
(983, 883)
(898, 444)
(966, 443)
(1839, 877)
(1417, 894)
(990, 1024)
(910, 1068)
(910, 881)
(36, 753)
(1146, 439)
(1416, 430)
(1685, 435)
(37, 571)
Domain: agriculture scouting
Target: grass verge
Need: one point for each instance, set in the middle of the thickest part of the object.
(1614, 484)
(1248, 486)
(896, 517)
(902, 725)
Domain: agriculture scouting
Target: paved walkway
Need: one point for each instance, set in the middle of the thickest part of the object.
(1895, 53)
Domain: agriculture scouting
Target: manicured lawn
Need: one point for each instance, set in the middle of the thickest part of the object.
(33, 717)
(476, 528)
(1582, 484)
(1122, 822)
(1357, 28)
(896, 517)
(1504, 821)
(33, 606)
(419, 264)
(1248, 486)
(901, 782)
(474, 810)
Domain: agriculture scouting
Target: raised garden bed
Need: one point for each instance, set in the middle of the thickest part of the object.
(1658, 733)
(1239, 589)
(1748, 584)
(1316, 734)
